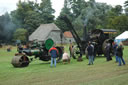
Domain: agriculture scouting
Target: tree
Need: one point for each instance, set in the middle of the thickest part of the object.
(90, 14)
(94, 15)
(22, 12)
(46, 11)
(30, 15)
(126, 3)
(72, 9)
(117, 10)
(77, 7)
(126, 11)
(66, 10)
(126, 7)
(120, 23)
(20, 34)
(32, 21)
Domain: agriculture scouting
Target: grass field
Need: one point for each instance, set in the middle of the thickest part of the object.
(75, 73)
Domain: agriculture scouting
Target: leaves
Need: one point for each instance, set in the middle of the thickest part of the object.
(20, 34)
(120, 23)
(30, 15)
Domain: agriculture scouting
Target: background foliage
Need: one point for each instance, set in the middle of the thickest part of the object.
(30, 14)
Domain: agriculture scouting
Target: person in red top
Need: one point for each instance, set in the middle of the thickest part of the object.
(54, 53)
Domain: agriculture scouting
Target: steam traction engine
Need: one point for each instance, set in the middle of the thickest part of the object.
(21, 59)
(96, 36)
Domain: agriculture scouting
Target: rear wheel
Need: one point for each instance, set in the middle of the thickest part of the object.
(75, 52)
(60, 50)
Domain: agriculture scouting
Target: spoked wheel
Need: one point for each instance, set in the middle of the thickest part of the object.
(75, 52)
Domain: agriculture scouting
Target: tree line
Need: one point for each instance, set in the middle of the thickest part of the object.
(28, 16)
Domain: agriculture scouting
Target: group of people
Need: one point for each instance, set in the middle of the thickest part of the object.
(66, 58)
(118, 53)
(54, 53)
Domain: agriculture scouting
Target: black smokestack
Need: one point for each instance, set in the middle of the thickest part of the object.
(85, 33)
(89, 13)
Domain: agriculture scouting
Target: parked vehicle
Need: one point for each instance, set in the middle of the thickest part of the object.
(99, 37)
(21, 59)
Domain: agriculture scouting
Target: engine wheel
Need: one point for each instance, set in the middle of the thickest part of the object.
(75, 52)
(60, 50)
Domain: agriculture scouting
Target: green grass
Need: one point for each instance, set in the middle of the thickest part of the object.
(76, 73)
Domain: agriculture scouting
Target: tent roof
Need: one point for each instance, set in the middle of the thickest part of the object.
(43, 31)
(124, 35)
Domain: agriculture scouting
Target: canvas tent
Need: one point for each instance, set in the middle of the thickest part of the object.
(121, 37)
(46, 31)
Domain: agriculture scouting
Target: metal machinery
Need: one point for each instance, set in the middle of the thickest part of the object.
(98, 37)
(81, 45)
(21, 59)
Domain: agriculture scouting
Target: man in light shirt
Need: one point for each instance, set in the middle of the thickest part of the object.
(66, 58)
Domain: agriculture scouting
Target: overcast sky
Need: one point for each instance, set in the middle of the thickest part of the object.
(10, 5)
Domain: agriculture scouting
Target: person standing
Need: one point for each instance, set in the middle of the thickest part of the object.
(93, 51)
(20, 48)
(54, 53)
(119, 53)
(115, 49)
(70, 48)
(107, 48)
(90, 51)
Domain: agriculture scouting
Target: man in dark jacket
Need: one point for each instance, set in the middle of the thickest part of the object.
(53, 52)
(90, 50)
(107, 48)
(119, 53)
